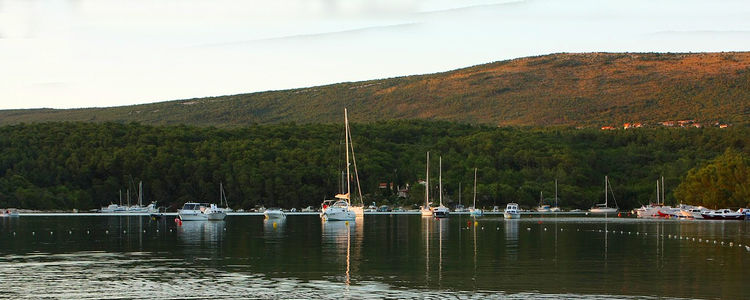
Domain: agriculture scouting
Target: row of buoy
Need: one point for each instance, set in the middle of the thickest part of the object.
(70, 232)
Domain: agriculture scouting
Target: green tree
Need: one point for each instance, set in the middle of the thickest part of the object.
(723, 182)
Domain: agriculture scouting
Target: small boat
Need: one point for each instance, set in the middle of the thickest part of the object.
(193, 211)
(274, 213)
(603, 208)
(473, 210)
(555, 208)
(745, 211)
(440, 211)
(511, 211)
(425, 210)
(9, 212)
(542, 207)
(723, 214)
(338, 211)
(114, 208)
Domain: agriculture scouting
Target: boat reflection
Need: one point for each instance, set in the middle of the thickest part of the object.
(338, 238)
(434, 228)
(273, 229)
(511, 238)
(200, 232)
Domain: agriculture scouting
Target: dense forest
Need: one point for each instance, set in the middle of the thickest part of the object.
(576, 89)
(86, 165)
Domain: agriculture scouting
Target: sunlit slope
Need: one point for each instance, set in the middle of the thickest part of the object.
(591, 89)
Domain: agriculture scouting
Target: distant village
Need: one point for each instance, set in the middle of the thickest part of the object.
(680, 123)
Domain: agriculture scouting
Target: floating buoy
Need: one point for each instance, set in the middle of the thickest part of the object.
(498, 228)
(528, 228)
(476, 223)
(274, 224)
(33, 233)
(539, 222)
(722, 243)
(144, 231)
(747, 248)
(87, 232)
(347, 223)
(482, 227)
(170, 230)
(468, 223)
(14, 233)
(70, 232)
(50, 233)
(124, 231)
(157, 231)
(619, 215)
(545, 228)
(561, 229)
(106, 232)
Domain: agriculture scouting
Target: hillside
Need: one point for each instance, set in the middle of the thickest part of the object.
(591, 89)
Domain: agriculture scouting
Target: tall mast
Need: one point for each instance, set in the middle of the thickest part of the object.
(348, 182)
(120, 197)
(140, 193)
(556, 193)
(440, 180)
(658, 192)
(459, 193)
(606, 179)
(662, 190)
(475, 188)
(427, 184)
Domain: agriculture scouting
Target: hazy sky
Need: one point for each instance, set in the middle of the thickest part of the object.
(84, 53)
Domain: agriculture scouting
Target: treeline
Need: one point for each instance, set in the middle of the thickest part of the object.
(86, 165)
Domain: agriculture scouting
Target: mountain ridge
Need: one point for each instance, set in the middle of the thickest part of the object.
(564, 89)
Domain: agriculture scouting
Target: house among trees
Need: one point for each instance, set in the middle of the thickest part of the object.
(608, 128)
(632, 125)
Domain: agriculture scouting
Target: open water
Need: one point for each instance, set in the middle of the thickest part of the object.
(380, 256)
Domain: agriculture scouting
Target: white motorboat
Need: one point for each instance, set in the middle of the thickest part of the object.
(114, 208)
(603, 208)
(338, 211)
(473, 210)
(723, 214)
(193, 211)
(425, 210)
(9, 212)
(440, 211)
(274, 213)
(511, 211)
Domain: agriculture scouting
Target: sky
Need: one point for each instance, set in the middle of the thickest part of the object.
(100, 53)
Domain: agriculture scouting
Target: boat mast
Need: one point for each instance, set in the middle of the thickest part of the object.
(120, 197)
(348, 182)
(427, 184)
(475, 188)
(556, 193)
(140, 193)
(606, 179)
(662, 190)
(657, 192)
(440, 179)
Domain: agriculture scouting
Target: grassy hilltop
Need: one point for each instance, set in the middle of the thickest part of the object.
(589, 89)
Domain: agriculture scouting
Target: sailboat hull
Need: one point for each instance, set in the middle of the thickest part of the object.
(603, 210)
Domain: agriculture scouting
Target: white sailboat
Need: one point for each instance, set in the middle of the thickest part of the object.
(440, 211)
(473, 210)
(342, 209)
(425, 209)
(542, 207)
(555, 208)
(603, 208)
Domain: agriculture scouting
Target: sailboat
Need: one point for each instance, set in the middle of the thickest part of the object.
(440, 211)
(223, 198)
(555, 208)
(425, 209)
(603, 207)
(342, 209)
(473, 210)
(542, 207)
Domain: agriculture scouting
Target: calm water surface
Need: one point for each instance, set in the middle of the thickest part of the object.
(381, 256)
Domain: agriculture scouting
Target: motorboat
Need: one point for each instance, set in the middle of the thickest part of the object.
(338, 211)
(9, 212)
(114, 208)
(511, 211)
(274, 213)
(440, 212)
(544, 208)
(603, 208)
(193, 211)
(723, 214)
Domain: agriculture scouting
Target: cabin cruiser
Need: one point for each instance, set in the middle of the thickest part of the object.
(9, 212)
(440, 212)
(511, 211)
(192, 211)
(723, 214)
(338, 211)
(274, 213)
